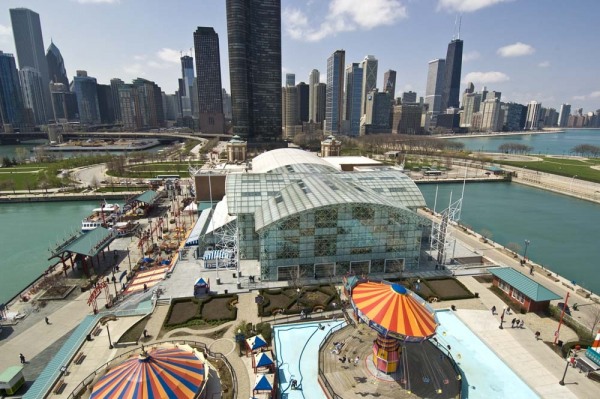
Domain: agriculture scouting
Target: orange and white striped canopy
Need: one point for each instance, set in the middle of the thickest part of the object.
(394, 309)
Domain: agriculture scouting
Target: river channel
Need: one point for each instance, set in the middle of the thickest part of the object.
(563, 231)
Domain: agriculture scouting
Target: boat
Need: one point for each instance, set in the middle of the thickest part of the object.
(125, 229)
(106, 216)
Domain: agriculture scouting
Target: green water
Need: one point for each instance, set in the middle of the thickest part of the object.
(563, 231)
(26, 232)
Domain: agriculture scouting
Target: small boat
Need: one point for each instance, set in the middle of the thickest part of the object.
(105, 216)
(125, 229)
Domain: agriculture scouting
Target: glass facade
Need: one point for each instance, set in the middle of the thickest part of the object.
(334, 103)
(302, 217)
(11, 102)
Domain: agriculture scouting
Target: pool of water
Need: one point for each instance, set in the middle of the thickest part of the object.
(297, 347)
(484, 374)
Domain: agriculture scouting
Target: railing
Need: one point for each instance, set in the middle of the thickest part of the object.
(325, 384)
(200, 345)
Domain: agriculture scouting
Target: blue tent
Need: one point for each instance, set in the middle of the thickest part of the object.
(201, 286)
(262, 360)
(256, 342)
(264, 382)
(200, 283)
(148, 260)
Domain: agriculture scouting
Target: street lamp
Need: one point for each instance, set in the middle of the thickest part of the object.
(562, 382)
(104, 321)
(571, 184)
(527, 242)
(298, 298)
(502, 319)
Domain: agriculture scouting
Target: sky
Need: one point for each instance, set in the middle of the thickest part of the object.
(541, 50)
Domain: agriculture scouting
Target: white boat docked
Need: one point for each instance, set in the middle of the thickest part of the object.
(105, 216)
(125, 229)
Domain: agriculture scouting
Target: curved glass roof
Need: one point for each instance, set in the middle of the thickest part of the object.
(316, 192)
(282, 157)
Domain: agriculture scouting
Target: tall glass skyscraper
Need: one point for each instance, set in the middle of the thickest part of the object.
(389, 83)
(254, 36)
(369, 80)
(209, 88)
(313, 81)
(451, 87)
(56, 65)
(33, 98)
(354, 83)
(29, 43)
(187, 74)
(334, 103)
(11, 102)
(435, 84)
(85, 88)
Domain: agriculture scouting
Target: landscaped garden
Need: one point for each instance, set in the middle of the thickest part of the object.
(295, 300)
(206, 312)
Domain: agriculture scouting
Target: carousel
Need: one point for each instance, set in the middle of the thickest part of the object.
(158, 373)
(397, 314)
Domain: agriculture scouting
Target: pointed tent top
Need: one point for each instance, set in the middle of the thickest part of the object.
(262, 359)
(264, 382)
(256, 342)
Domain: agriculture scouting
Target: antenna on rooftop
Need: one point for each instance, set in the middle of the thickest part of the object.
(459, 24)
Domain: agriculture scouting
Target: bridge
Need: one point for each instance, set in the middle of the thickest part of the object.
(15, 138)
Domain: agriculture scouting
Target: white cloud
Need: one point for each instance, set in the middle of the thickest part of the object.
(486, 77)
(140, 57)
(343, 16)
(5, 30)
(470, 56)
(466, 5)
(169, 55)
(544, 64)
(134, 70)
(578, 98)
(516, 50)
(97, 1)
(595, 94)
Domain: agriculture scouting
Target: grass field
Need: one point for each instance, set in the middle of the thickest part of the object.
(563, 167)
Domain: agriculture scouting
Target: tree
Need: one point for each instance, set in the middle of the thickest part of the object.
(513, 246)
(486, 234)
(595, 319)
(22, 154)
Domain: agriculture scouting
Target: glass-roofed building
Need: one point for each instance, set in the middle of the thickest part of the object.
(299, 216)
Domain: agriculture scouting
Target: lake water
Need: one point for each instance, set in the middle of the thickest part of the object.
(563, 231)
(547, 143)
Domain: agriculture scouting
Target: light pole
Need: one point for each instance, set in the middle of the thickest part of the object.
(298, 298)
(527, 242)
(502, 319)
(562, 382)
(104, 321)
(571, 184)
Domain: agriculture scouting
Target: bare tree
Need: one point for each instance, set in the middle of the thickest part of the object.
(595, 318)
(486, 234)
(513, 246)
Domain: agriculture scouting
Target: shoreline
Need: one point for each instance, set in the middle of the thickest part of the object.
(501, 134)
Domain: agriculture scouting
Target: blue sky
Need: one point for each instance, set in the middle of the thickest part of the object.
(542, 50)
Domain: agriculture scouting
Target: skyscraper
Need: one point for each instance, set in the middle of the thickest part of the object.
(149, 99)
(451, 86)
(389, 83)
(85, 88)
(409, 97)
(435, 84)
(27, 31)
(290, 110)
(105, 103)
(114, 88)
(33, 97)
(64, 103)
(353, 113)
(290, 79)
(563, 117)
(208, 72)
(533, 115)
(254, 36)
(320, 102)
(187, 77)
(492, 117)
(313, 80)
(56, 65)
(377, 118)
(471, 105)
(11, 102)
(335, 92)
(302, 101)
(369, 81)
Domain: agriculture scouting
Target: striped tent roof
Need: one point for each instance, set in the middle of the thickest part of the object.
(217, 254)
(392, 309)
(163, 373)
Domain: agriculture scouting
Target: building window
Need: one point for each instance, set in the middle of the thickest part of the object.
(503, 286)
(518, 296)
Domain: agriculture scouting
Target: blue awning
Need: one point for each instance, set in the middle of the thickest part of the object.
(264, 382)
(201, 283)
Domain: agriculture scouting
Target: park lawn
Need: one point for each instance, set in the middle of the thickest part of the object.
(582, 170)
(20, 180)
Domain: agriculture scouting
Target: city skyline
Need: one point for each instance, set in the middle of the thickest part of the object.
(520, 61)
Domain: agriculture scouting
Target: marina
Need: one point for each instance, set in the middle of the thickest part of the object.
(97, 145)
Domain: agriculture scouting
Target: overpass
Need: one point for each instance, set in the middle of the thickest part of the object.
(15, 138)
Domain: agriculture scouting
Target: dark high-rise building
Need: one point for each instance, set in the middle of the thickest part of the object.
(303, 101)
(114, 88)
(290, 79)
(185, 86)
(85, 88)
(149, 107)
(56, 65)
(64, 103)
(27, 31)
(389, 82)
(354, 84)
(11, 101)
(209, 88)
(33, 97)
(335, 92)
(105, 104)
(254, 36)
(451, 87)
(409, 97)
(320, 102)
